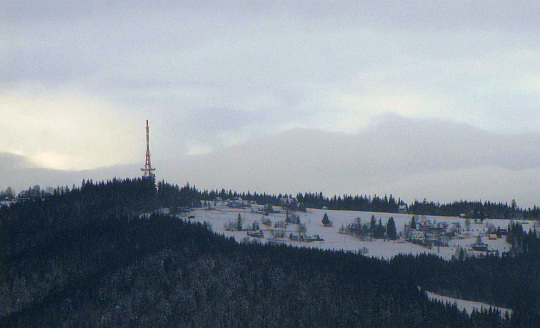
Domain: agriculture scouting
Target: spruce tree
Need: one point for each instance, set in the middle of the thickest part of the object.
(373, 224)
(391, 229)
(239, 222)
(413, 222)
(380, 230)
(325, 221)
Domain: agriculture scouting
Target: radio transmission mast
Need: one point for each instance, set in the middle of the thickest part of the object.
(148, 170)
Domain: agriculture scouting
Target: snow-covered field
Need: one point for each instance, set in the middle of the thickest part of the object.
(218, 216)
(468, 306)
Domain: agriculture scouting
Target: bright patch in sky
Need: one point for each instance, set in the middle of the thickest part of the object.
(66, 131)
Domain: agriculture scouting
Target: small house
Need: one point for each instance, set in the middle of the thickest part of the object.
(286, 201)
(402, 209)
(256, 234)
(479, 245)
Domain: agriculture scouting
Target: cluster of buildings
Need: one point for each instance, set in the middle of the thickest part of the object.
(302, 237)
(236, 202)
(32, 193)
(428, 233)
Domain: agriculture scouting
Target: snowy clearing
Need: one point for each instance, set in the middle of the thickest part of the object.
(219, 215)
(468, 306)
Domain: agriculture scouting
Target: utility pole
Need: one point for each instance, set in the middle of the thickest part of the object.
(148, 170)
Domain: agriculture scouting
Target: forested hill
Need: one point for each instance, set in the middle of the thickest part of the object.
(87, 257)
(191, 196)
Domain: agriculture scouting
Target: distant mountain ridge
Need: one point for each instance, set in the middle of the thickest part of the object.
(409, 158)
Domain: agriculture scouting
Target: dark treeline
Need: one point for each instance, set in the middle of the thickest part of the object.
(477, 210)
(190, 196)
(87, 257)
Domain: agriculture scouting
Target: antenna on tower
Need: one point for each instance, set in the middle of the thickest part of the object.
(148, 170)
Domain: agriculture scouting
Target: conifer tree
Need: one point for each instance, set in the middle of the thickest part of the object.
(326, 221)
(372, 224)
(413, 222)
(391, 229)
(239, 222)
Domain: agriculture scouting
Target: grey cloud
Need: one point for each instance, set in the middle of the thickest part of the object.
(432, 143)
(430, 14)
(19, 173)
(221, 119)
(200, 70)
(421, 158)
(44, 65)
(9, 162)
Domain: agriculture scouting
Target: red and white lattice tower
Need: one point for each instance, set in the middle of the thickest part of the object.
(148, 170)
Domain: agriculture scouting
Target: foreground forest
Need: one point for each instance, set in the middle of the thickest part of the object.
(88, 257)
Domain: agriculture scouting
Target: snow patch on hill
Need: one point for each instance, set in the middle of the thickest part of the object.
(218, 216)
(468, 306)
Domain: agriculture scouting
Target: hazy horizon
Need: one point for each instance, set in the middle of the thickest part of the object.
(440, 161)
(438, 99)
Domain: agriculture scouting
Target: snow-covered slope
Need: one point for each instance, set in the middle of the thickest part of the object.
(468, 306)
(218, 216)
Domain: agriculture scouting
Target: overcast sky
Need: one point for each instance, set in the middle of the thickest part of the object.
(79, 78)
